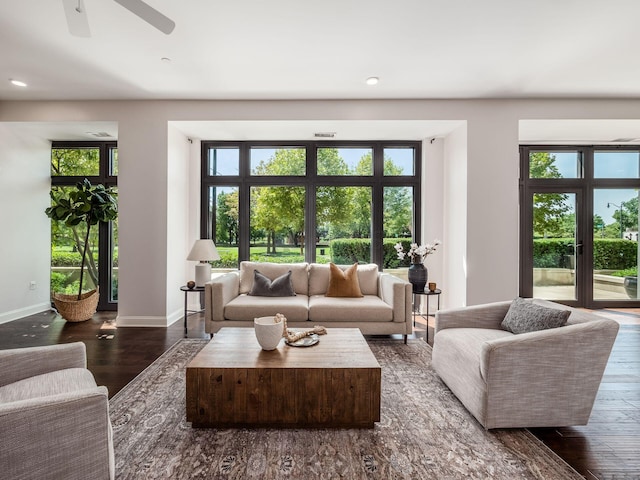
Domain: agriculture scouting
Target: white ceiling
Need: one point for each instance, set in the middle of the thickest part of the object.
(293, 49)
(296, 49)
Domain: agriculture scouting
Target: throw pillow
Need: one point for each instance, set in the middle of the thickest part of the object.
(263, 286)
(524, 316)
(343, 284)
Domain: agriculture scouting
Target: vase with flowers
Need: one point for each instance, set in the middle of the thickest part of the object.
(418, 273)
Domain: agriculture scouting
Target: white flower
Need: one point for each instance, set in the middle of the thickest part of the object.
(416, 251)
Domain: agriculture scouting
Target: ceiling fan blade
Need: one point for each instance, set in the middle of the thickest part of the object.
(77, 20)
(149, 15)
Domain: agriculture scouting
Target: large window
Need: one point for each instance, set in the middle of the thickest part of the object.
(71, 162)
(310, 201)
(579, 224)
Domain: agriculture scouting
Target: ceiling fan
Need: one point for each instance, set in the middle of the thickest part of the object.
(78, 22)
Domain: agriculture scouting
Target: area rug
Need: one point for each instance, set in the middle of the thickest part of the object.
(425, 433)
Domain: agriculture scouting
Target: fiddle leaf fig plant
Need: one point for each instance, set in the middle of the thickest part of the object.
(80, 208)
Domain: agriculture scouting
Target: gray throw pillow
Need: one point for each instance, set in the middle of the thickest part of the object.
(263, 286)
(524, 316)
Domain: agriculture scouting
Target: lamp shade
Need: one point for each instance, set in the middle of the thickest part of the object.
(203, 250)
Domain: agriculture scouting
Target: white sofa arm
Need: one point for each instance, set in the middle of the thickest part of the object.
(218, 292)
(489, 315)
(19, 363)
(396, 292)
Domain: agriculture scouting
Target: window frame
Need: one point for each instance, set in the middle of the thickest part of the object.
(104, 229)
(583, 186)
(245, 180)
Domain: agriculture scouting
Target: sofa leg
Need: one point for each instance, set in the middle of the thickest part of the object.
(405, 339)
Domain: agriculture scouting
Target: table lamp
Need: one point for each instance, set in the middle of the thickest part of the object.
(203, 251)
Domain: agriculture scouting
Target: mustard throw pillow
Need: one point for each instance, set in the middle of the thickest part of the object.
(343, 284)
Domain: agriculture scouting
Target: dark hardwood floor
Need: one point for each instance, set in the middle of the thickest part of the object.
(606, 448)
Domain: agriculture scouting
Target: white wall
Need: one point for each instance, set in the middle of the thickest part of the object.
(25, 235)
(492, 208)
(480, 192)
(178, 195)
(433, 225)
(143, 220)
(455, 219)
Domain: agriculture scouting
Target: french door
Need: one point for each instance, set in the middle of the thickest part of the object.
(579, 225)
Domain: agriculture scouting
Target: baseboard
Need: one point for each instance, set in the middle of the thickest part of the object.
(24, 312)
(149, 321)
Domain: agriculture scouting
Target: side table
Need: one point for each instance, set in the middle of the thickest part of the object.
(416, 306)
(188, 312)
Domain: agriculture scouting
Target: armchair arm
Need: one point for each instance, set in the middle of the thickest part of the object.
(220, 291)
(559, 366)
(396, 292)
(489, 315)
(20, 363)
(81, 446)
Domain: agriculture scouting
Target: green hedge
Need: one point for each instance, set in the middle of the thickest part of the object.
(350, 250)
(614, 254)
(608, 254)
(71, 259)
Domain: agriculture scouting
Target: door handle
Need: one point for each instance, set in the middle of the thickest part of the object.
(579, 248)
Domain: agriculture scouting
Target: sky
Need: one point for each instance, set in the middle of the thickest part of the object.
(607, 164)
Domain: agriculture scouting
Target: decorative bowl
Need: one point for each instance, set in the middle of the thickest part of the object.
(268, 332)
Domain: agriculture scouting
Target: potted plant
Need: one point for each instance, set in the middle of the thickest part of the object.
(80, 209)
(418, 274)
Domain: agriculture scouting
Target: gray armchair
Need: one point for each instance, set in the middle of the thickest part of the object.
(546, 378)
(54, 419)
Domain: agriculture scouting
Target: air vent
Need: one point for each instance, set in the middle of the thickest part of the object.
(100, 134)
(324, 134)
(625, 140)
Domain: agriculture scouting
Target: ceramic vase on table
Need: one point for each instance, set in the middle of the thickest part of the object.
(418, 275)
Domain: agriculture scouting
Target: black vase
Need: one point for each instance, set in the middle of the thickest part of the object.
(418, 276)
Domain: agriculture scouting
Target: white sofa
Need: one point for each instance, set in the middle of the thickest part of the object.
(544, 378)
(384, 309)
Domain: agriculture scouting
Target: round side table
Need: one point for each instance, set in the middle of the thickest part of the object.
(416, 306)
(187, 312)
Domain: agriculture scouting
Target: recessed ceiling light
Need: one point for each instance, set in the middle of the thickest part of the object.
(372, 80)
(17, 83)
(166, 59)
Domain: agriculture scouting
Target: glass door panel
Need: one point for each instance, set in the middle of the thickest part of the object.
(555, 246)
(615, 244)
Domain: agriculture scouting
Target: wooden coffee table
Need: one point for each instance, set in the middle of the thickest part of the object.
(232, 382)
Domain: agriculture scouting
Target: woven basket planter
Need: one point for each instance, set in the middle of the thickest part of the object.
(74, 310)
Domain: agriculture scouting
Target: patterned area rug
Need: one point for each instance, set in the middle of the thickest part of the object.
(425, 433)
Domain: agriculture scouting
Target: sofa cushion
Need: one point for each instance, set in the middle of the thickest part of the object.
(524, 316)
(280, 286)
(247, 307)
(369, 308)
(299, 277)
(343, 283)
(319, 278)
(53, 383)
